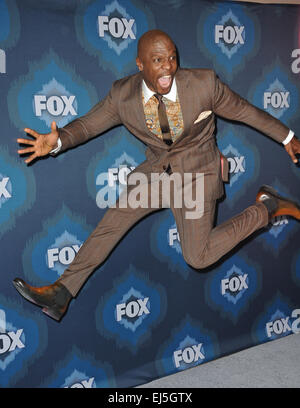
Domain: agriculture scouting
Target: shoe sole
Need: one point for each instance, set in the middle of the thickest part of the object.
(294, 212)
(51, 313)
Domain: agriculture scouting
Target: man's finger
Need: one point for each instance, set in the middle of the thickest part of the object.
(294, 158)
(30, 158)
(292, 151)
(293, 148)
(32, 132)
(28, 150)
(53, 126)
(26, 141)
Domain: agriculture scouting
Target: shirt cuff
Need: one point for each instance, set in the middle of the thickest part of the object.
(57, 149)
(289, 137)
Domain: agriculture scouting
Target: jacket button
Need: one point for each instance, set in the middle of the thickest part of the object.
(168, 169)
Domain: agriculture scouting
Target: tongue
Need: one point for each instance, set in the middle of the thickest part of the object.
(164, 82)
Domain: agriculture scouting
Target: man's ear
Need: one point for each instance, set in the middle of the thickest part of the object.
(139, 64)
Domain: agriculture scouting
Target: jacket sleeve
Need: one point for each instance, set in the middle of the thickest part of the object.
(228, 104)
(103, 116)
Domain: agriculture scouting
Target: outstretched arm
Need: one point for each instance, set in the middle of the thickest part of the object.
(41, 145)
(230, 105)
(103, 116)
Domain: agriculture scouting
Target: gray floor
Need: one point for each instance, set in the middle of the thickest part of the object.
(275, 364)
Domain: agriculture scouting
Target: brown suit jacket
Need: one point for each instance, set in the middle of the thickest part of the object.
(199, 90)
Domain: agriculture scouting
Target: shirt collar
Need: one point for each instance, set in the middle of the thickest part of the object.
(172, 95)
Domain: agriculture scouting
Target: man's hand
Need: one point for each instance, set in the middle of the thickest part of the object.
(293, 148)
(42, 145)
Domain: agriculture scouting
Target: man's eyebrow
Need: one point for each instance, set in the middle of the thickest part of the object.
(157, 52)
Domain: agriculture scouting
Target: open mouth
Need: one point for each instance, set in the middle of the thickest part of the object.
(165, 81)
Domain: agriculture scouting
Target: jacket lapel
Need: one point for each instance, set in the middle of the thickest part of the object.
(186, 95)
(137, 107)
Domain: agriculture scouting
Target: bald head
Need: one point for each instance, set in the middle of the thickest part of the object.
(157, 60)
(149, 38)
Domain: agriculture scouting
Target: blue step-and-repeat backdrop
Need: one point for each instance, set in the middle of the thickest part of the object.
(144, 313)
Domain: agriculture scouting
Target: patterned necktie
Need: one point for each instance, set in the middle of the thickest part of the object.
(163, 120)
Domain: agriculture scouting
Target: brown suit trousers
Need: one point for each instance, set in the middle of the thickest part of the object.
(202, 245)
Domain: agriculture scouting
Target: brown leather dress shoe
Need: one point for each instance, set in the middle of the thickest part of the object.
(276, 204)
(54, 299)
